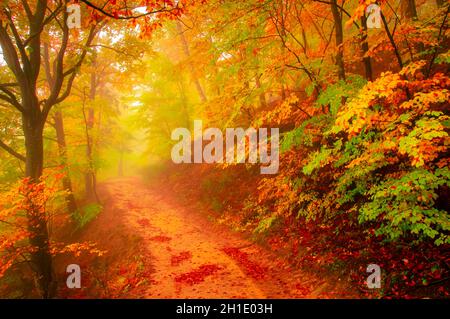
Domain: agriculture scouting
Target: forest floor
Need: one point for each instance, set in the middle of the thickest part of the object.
(160, 247)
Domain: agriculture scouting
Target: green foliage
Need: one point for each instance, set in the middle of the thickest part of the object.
(86, 214)
(334, 94)
(301, 135)
(353, 147)
(265, 224)
(426, 130)
(318, 159)
(165, 105)
(443, 58)
(406, 206)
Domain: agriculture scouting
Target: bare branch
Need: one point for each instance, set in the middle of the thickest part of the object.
(342, 10)
(27, 9)
(46, 21)
(10, 56)
(17, 39)
(10, 98)
(57, 97)
(56, 81)
(128, 17)
(12, 152)
(35, 43)
(435, 49)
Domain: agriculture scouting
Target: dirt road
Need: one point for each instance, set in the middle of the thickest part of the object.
(158, 248)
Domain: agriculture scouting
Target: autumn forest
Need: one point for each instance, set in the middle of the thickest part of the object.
(224, 149)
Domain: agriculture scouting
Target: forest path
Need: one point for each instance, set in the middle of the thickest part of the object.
(162, 249)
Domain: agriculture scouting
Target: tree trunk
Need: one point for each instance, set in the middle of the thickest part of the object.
(184, 43)
(66, 181)
(37, 221)
(262, 95)
(392, 41)
(409, 10)
(282, 75)
(339, 39)
(89, 177)
(365, 49)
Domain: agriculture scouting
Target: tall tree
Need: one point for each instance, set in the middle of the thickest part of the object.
(409, 9)
(185, 45)
(90, 177)
(339, 36)
(365, 49)
(58, 124)
(23, 58)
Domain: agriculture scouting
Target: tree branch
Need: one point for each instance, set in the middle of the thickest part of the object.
(117, 17)
(18, 40)
(12, 152)
(435, 50)
(27, 9)
(342, 10)
(57, 97)
(58, 73)
(10, 55)
(35, 44)
(10, 98)
(391, 39)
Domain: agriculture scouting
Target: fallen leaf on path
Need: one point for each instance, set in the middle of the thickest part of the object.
(161, 238)
(178, 259)
(251, 268)
(197, 276)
